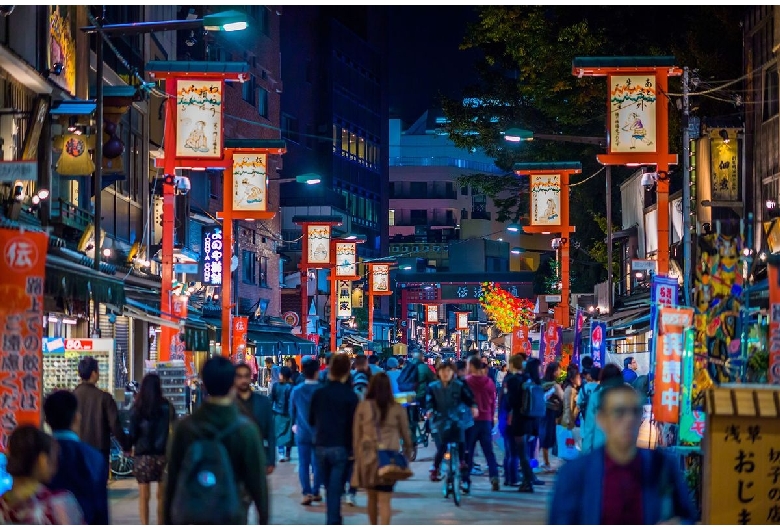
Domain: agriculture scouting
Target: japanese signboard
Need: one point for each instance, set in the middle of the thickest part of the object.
(344, 300)
(240, 326)
(724, 158)
(632, 120)
(598, 342)
(550, 343)
(546, 200)
(346, 260)
(199, 118)
(250, 184)
(211, 256)
(21, 318)
(379, 274)
(579, 322)
(521, 342)
(431, 314)
(179, 309)
(462, 320)
(691, 421)
(470, 292)
(672, 324)
(773, 270)
(741, 448)
(357, 297)
(318, 244)
(663, 292)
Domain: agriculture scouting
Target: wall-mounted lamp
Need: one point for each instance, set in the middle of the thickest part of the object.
(72, 124)
(725, 135)
(107, 252)
(771, 204)
(517, 250)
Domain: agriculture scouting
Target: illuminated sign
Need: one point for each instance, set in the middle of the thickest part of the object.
(318, 244)
(431, 314)
(632, 120)
(462, 321)
(724, 157)
(344, 301)
(546, 200)
(250, 184)
(346, 260)
(672, 323)
(380, 278)
(211, 256)
(199, 117)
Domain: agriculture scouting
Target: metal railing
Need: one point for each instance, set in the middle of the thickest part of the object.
(71, 215)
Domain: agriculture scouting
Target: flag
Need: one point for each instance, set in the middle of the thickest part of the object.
(579, 321)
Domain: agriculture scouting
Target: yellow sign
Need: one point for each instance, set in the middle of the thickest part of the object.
(724, 157)
(357, 298)
(250, 184)
(199, 117)
(318, 244)
(346, 260)
(632, 104)
(741, 449)
(62, 48)
(344, 307)
(546, 200)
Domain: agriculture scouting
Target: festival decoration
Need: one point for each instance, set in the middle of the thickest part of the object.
(505, 309)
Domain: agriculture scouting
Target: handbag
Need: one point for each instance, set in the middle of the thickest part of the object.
(391, 465)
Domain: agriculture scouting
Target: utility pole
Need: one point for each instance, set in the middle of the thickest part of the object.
(686, 189)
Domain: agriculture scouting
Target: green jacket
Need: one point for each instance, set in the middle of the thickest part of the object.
(245, 448)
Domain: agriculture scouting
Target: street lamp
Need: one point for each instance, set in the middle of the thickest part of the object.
(517, 250)
(310, 179)
(513, 227)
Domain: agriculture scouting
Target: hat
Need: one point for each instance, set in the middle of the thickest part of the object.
(392, 362)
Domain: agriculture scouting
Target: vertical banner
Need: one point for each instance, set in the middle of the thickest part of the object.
(431, 314)
(346, 260)
(598, 342)
(199, 118)
(724, 161)
(520, 341)
(632, 103)
(21, 317)
(691, 421)
(250, 184)
(179, 309)
(462, 320)
(579, 321)
(211, 256)
(663, 292)
(672, 323)
(379, 274)
(318, 244)
(344, 300)
(546, 200)
(773, 377)
(543, 340)
(551, 337)
(240, 326)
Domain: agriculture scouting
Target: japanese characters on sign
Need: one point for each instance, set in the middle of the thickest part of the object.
(691, 421)
(211, 256)
(380, 278)
(632, 120)
(579, 322)
(250, 184)
(344, 300)
(179, 309)
(773, 271)
(598, 342)
(521, 342)
(199, 118)
(240, 326)
(546, 200)
(346, 260)
(318, 244)
(724, 156)
(550, 343)
(21, 318)
(672, 324)
(431, 314)
(462, 320)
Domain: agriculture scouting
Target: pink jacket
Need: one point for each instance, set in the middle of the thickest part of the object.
(484, 391)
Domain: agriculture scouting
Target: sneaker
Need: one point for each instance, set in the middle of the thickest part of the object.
(435, 477)
(465, 487)
(284, 459)
(307, 500)
(494, 484)
(317, 498)
(351, 499)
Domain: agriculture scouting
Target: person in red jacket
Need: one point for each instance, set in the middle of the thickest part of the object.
(484, 391)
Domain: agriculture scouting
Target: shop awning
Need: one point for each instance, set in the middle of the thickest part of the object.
(73, 107)
(273, 343)
(195, 329)
(70, 280)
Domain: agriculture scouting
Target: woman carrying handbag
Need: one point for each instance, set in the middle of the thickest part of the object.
(379, 427)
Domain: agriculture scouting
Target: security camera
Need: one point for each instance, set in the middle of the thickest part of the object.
(648, 180)
(182, 185)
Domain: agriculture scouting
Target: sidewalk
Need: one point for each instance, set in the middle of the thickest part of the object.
(417, 501)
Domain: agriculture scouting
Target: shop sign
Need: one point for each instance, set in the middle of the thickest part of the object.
(318, 244)
(546, 200)
(21, 322)
(13, 170)
(724, 159)
(380, 278)
(346, 260)
(211, 256)
(672, 323)
(520, 341)
(598, 342)
(691, 421)
(632, 104)
(579, 323)
(344, 300)
(62, 47)
(240, 326)
(462, 320)
(250, 184)
(431, 314)
(291, 318)
(78, 345)
(357, 297)
(53, 345)
(773, 377)
(550, 343)
(199, 118)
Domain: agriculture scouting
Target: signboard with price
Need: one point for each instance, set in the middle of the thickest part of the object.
(741, 449)
(669, 343)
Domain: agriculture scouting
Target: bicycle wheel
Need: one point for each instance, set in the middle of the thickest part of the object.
(455, 470)
(414, 451)
(447, 483)
(122, 466)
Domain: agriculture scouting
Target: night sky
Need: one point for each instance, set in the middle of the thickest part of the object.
(425, 59)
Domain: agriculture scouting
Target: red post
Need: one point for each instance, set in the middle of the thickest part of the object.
(404, 318)
(304, 320)
(662, 185)
(168, 215)
(227, 256)
(370, 316)
(334, 322)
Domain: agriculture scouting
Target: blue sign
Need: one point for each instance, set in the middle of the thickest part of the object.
(598, 342)
(53, 345)
(211, 256)
(663, 292)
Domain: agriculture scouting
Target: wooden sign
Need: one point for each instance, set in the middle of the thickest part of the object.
(379, 275)
(346, 260)
(546, 200)
(632, 103)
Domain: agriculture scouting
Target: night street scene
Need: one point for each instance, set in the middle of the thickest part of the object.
(389, 264)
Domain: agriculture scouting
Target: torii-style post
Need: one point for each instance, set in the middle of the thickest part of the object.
(378, 285)
(638, 123)
(549, 189)
(343, 269)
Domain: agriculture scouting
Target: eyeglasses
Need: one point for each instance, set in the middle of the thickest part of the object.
(620, 413)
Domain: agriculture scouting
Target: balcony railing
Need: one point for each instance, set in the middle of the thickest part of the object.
(71, 215)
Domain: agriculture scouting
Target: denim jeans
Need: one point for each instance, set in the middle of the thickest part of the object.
(307, 463)
(332, 462)
(481, 432)
(521, 446)
(511, 460)
(348, 478)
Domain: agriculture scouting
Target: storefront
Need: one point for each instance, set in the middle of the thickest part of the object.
(61, 358)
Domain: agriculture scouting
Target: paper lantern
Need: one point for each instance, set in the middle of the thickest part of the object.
(75, 160)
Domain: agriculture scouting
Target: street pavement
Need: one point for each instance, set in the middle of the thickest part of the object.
(416, 501)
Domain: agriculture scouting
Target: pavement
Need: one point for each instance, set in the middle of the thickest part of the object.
(416, 501)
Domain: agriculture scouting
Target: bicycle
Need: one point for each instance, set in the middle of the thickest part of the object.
(452, 484)
(121, 464)
(419, 436)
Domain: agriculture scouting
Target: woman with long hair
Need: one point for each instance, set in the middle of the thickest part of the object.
(554, 395)
(32, 462)
(151, 422)
(380, 423)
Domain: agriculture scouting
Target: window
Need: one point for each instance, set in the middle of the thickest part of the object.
(419, 217)
(262, 102)
(464, 190)
(290, 128)
(248, 272)
(771, 88)
(248, 90)
(418, 190)
(262, 16)
(344, 141)
(263, 279)
(392, 217)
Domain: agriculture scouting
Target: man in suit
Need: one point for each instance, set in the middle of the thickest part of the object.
(81, 469)
(619, 484)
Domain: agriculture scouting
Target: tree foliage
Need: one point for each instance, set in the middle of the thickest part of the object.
(524, 80)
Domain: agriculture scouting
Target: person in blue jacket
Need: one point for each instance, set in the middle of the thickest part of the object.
(300, 403)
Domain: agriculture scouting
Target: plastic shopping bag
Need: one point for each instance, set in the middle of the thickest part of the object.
(567, 445)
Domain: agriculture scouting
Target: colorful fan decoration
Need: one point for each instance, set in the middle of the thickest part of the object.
(505, 309)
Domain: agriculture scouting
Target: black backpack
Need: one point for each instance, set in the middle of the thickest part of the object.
(407, 379)
(533, 404)
(206, 489)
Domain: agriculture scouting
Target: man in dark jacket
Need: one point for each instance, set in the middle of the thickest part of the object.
(484, 391)
(98, 412)
(331, 415)
(258, 408)
(218, 413)
(300, 405)
(618, 484)
(520, 426)
(81, 469)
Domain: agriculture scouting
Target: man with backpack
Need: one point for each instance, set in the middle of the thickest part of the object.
(415, 377)
(215, 455)
(528, 406)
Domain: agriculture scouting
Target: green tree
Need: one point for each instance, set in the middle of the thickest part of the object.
(524, 80)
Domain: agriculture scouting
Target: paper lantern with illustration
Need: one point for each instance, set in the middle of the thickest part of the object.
(75, 160)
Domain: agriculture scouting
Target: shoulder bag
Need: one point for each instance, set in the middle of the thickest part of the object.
(391, 465)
